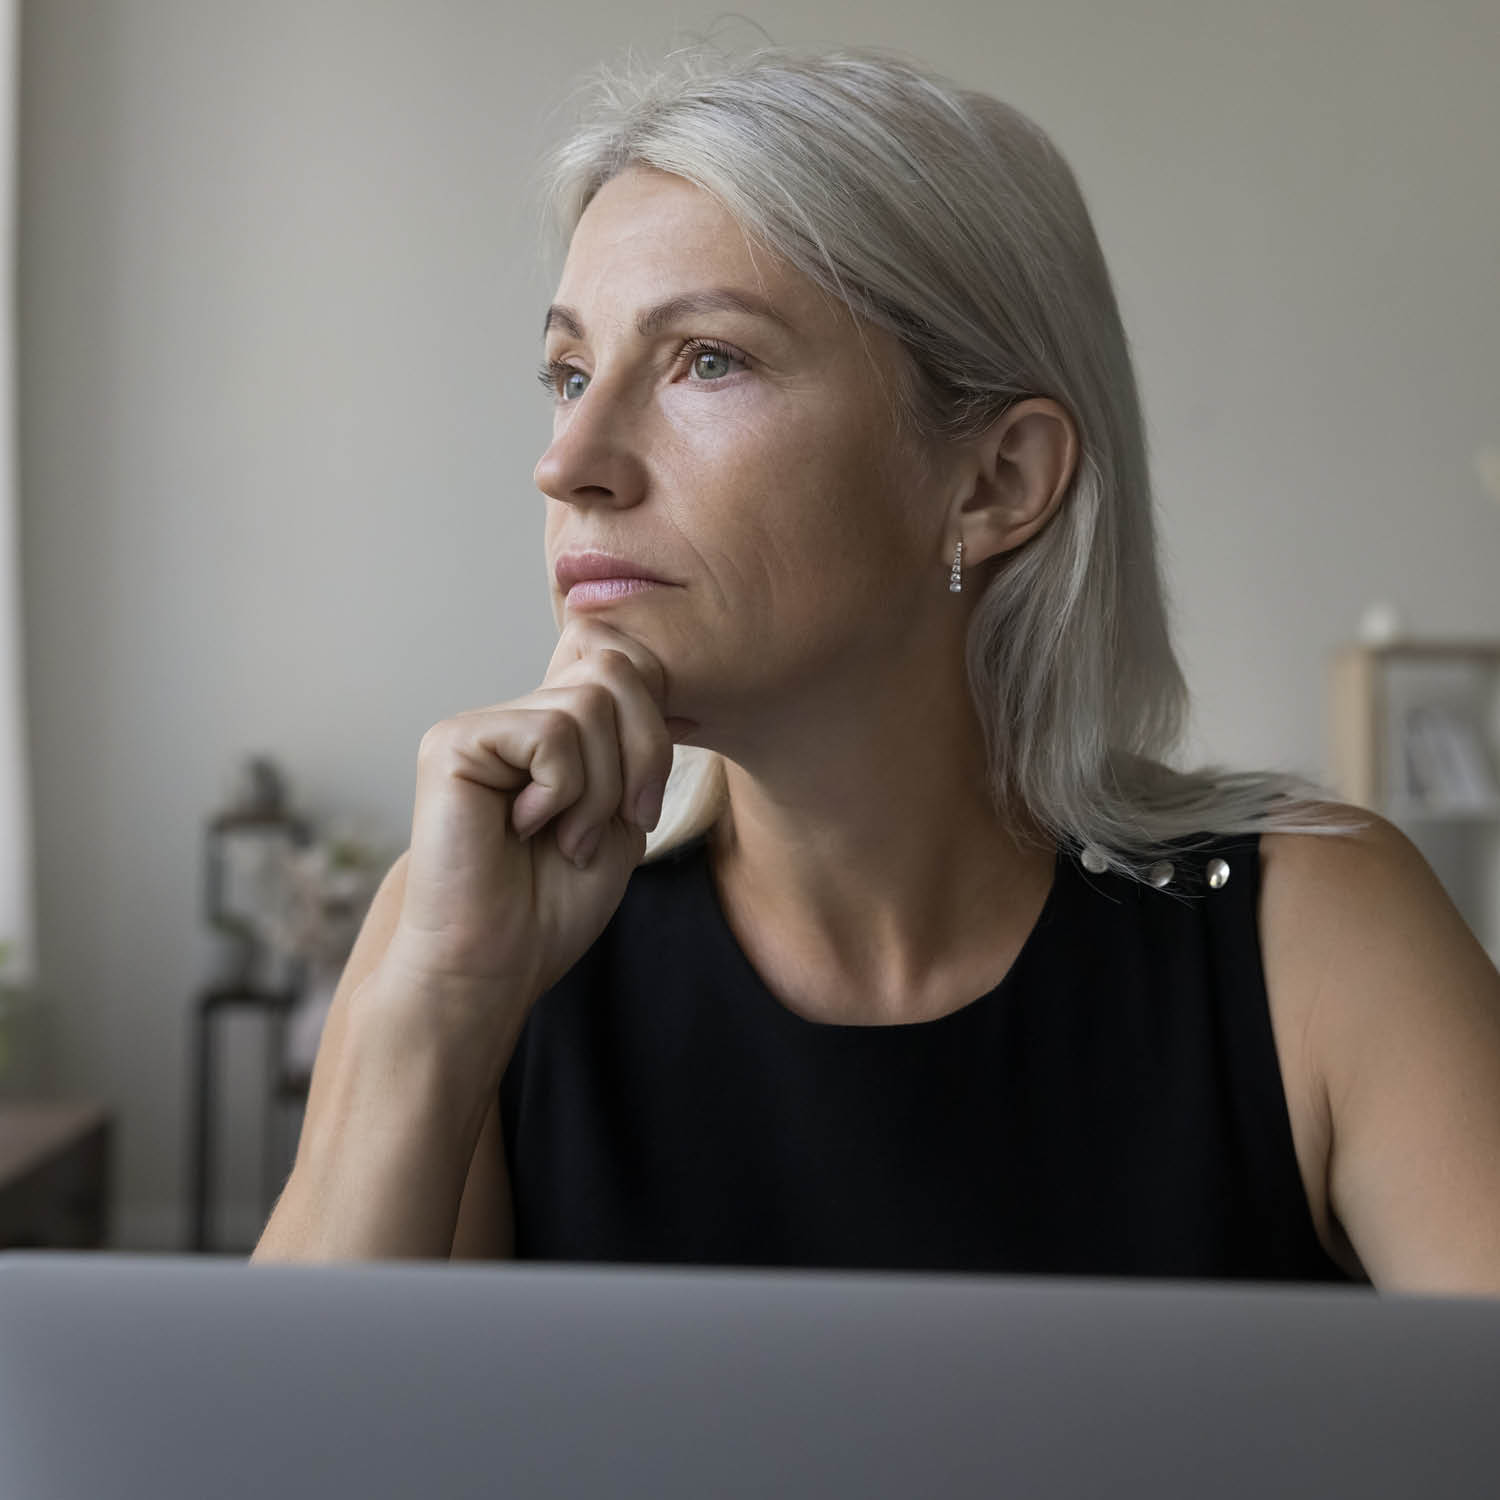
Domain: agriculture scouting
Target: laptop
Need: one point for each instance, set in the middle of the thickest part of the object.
(163, 1377)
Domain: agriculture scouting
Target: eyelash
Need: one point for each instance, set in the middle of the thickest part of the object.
(554, 371)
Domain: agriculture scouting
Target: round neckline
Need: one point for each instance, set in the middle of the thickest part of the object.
(1046, 921)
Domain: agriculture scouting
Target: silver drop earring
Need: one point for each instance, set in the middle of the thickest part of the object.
(956, 577)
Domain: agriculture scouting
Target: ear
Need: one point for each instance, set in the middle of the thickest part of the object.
(1015, 476)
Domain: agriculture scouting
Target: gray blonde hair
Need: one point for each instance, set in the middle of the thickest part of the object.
(951, 220)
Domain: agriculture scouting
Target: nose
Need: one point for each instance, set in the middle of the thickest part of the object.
(594, 457)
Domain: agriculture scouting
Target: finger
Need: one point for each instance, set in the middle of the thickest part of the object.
(584, 637)
(591, 705)
(534, 751)
(535, 803)
(644, 736)
(645, 743)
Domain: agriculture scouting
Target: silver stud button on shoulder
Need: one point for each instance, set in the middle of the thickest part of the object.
(1218, 872)
(1160, 874)
(1093, 859)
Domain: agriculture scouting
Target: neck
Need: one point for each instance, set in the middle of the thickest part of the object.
(861, 859)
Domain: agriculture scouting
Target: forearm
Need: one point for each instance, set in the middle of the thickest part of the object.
(381, 1166)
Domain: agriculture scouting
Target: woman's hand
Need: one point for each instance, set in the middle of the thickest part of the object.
(530, 816)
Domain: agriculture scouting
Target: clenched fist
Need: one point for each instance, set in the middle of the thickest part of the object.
(530, 816)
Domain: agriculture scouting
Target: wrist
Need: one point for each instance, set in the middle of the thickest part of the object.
(457, 1028)
(409, 961)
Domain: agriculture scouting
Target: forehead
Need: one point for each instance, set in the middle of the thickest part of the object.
(648, 234)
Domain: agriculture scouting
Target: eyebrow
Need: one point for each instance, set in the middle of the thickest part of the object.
(653, 319)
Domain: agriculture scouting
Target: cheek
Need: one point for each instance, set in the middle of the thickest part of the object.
(796, 511)
(766, 540)
(838, 520)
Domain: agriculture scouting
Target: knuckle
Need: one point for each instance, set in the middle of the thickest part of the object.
(596, 700)
(578, 632)
(436, 740)
(613, 662)
(557, 726)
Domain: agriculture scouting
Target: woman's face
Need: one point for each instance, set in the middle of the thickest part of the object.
(762, 478)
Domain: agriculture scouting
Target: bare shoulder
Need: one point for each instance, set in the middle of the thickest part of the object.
(1319, 888)
(1395, 1008)
(1298, 856)
(1366, 900)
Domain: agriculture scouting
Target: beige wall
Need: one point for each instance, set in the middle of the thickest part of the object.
(278, 313)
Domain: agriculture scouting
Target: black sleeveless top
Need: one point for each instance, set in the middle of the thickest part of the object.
(1113, 1107)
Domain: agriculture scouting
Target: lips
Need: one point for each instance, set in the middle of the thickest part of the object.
(583, 567)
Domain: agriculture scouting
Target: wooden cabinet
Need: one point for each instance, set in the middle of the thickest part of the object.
(54, 1175)
(1400, 713)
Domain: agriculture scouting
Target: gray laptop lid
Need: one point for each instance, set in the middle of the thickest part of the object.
(164, 1377)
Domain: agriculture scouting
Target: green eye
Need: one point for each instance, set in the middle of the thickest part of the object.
(709, 354)
(707, 349)
(555, 374)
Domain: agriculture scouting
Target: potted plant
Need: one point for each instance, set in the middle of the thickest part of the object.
(326, 889)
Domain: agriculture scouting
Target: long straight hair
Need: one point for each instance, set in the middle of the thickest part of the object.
(951, 220)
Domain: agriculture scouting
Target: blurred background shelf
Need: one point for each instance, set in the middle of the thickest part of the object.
(1417, 812)
(1380, 696)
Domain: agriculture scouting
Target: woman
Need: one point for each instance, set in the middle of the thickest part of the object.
(929, 960)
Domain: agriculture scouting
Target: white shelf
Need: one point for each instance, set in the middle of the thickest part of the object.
(1375, 691)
